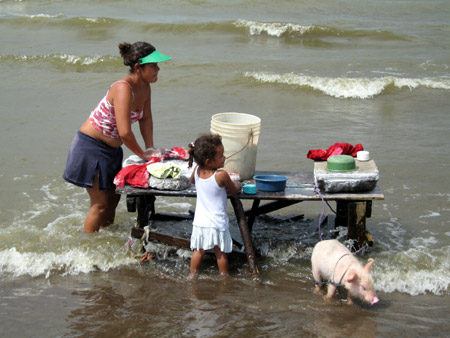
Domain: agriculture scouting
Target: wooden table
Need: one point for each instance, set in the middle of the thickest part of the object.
(352, 208)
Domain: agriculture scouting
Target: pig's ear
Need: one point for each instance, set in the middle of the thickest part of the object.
(352, 276)
(369, 264)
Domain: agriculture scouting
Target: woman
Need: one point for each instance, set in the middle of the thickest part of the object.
(95, 156)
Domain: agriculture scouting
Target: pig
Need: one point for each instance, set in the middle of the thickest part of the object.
(333, 264)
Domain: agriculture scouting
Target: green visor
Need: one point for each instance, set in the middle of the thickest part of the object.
(154, 57)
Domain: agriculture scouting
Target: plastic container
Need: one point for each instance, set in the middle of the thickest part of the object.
(240, 135)
(341, 163)
(363, 155)
(270, 182)
(249, 189)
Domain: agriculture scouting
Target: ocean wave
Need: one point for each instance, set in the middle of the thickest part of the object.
(68, 62)
(344, 87)
(60, 20)
(254, 28)
(70, 262)
(277, 28)
(285, 29)
(415, 271)
(39, 21)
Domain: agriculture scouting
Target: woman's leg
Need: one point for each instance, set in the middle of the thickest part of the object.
(222, 261)
(111, 208)
(196, 259)
(103, 207)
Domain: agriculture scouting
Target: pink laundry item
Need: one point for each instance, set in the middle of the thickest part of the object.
(335, 149)
(177, 153)
(135, 175)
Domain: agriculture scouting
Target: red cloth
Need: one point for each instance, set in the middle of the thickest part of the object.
(135, 175)
(335, 149)
(177, 153)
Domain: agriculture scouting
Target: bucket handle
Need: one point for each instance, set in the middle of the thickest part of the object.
(250, 137)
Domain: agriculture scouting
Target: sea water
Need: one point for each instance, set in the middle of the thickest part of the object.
(316, 73)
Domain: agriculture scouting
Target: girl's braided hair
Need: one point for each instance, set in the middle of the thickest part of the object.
(204, 147)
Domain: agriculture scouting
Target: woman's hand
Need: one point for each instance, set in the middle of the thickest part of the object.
(154, 152)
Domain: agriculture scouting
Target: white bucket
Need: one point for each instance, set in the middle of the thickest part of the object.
(240, 134)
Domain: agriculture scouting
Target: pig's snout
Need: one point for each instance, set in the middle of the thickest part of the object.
(375, 300)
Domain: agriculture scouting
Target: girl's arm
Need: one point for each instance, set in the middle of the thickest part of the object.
(121, 99)
(192, 179)
(224, 180)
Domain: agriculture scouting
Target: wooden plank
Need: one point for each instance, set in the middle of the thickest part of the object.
(171, 240)
(171, 217)
(271, 206)
(180, 242)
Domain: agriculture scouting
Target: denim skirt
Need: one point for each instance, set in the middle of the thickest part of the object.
(87, 156)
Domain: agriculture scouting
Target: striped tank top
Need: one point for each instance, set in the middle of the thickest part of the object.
(103, 117)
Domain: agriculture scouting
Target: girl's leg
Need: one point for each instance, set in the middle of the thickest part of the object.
(103, 206)
(196, 259)
(222, 261)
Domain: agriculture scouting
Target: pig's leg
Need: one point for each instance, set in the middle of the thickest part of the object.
(317, 280)
(349, 299)
(331, 291)
(318, 288)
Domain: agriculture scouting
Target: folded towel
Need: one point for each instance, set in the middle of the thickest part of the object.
(164, 170)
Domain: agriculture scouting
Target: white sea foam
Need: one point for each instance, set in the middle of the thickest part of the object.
(431, 214)
(343, 87)
(421, 242)
(37, 16)
(73, 59)
(71, 262)
(414, 271)
(23, 177)
(180, 206)
(272, 28)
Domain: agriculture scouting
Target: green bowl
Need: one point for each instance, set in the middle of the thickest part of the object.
(341, 163)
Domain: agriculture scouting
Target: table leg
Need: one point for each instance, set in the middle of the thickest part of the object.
(353, 214)
(145, 205)
(253, 214)
(245, 233)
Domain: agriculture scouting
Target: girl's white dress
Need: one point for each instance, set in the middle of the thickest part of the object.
(211, 223)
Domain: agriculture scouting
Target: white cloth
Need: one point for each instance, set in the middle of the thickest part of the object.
(211, 205)
(207, 238)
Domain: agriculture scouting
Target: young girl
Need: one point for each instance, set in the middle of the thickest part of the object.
(210, 226)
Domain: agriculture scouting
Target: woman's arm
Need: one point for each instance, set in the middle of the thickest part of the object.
(122, 99)
(146, 122)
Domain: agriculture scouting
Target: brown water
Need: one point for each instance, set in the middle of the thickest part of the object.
(316, 73)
